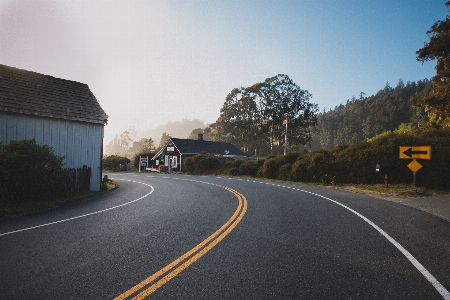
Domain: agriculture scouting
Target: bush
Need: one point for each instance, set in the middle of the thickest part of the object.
(300, 170)
(291, 157)
(233, 164)
(112, 163)
(234, 172)
(284, 172)
(270, 168)
(272, 165)
(30, 172)
(201, 164)
(248, 168)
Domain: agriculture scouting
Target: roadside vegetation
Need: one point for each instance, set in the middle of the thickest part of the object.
(394, 190)
(33, 178)
(348, 164)
(114, 163)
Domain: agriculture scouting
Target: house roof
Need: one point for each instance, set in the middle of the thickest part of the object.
(187, 146)
(30, 93)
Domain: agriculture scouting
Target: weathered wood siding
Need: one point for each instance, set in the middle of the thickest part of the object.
(80, 142)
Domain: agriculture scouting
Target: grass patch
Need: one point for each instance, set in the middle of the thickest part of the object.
(394, 190)
(11, 210)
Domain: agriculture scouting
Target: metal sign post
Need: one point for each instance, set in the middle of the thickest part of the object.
(143, 161)
(414, 153)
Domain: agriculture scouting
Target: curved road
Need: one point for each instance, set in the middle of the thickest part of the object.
(192, 237)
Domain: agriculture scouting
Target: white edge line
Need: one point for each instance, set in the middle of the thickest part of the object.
(436, 284)
(77, 217)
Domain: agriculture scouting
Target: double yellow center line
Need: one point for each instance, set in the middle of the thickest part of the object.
(155, 281)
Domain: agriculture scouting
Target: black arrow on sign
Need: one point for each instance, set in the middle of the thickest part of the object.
(409, 152)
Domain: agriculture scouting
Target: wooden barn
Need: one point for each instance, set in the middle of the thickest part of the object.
(175, 151)
(60, 113)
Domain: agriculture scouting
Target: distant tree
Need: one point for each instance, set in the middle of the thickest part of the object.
(164, 139)
(144, 145)
(438, 104)
(206, 134)
(400, 84)
(147, 145)
(120, 145)
(387, 88)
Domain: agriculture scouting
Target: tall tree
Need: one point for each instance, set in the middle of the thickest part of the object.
(237, 123)
(283, 99)
(252, 117)
(438, 48)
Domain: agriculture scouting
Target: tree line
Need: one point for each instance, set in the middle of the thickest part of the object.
(363, 118)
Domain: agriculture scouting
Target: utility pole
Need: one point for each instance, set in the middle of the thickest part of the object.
(285, 122)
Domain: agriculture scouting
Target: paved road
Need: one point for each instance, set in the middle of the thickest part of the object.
(192, 237)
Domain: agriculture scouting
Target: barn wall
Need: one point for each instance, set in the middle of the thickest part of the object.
(80, 142)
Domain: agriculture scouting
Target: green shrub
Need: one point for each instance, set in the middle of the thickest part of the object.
(112, 163)
(300, 170)
(284, 172)
(189, 164)
(270, 168)
(30, 172)
(291, 157)
(248, 168)
(237, 163)
(234, 172)
(202, 164)
(318, 166)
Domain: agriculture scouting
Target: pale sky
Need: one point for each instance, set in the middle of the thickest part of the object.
(151, 62)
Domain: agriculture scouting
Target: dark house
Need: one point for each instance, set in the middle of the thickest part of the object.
(62, 114)
(175, 151)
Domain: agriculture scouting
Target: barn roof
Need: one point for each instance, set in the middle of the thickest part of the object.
(187, 146)
(30, 93)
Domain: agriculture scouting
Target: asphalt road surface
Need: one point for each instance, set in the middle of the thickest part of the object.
(192, 237)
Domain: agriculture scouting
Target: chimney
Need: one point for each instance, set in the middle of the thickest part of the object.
(200, 136)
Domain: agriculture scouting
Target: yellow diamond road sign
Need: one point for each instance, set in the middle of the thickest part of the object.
(414, 166)
(413, 152)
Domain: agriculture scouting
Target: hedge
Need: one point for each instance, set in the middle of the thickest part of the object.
(355, 163)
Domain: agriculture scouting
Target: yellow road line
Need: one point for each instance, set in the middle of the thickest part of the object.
(194, 254)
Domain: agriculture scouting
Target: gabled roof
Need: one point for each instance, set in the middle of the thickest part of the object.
(187, 146)
(30, 93)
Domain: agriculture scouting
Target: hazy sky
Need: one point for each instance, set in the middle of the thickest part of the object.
(151, 62)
